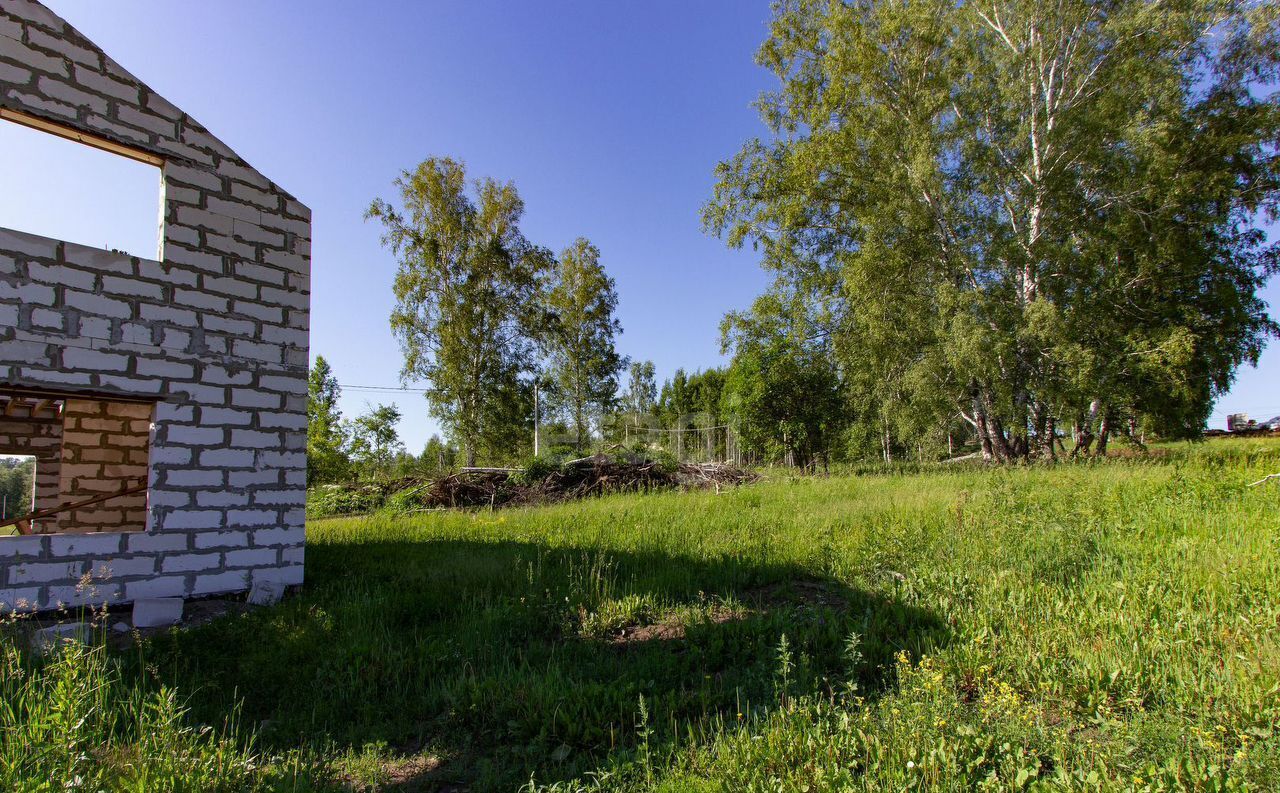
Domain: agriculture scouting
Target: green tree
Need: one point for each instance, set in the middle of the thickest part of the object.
(375, 443)
(781, 390)
(17, 476)
(468, 299)
(1021, 213)
(327, 460)
(438, 456)
(642, 391)
(584, 364)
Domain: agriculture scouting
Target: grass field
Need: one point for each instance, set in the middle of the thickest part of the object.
(1100, 626)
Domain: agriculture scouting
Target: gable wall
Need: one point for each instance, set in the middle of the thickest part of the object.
(214, 330)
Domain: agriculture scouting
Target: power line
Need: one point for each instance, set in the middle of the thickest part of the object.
(384, 389)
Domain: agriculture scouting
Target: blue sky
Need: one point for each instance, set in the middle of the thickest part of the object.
(609, 117)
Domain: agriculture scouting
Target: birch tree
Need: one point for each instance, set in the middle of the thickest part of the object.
(1030, 214)
(468, 295)
(585, 365)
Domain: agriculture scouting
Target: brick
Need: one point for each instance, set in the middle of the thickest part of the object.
(27, 294)
(199, 392)
(48, 318)
(105, 85)
(251, 557)
(124, 567)
(97, 304)
(157, 612)
(250, 478)
(284, 297)
(74, 595)
(15, 75)
(136, 333)
(19, 599)
(229, 286)
(201, 300)
(253, 517)
(234, 210)
(157, 542)
(118, 130)
(227, 458)
(222, 499)
(289, 497)
(188, 562)
(198, 477)
(194, 519)
(147, 121)
(233, 581)
(61, 274)
(173, 339)
(272, 314)
(200, 260)
(22, 547)
(18, 51)
(40, 572)
(170, 455)
(274, 334)
(84, 544)
(77, 358)
(253, 232)
(166, 586)
(216, 415)
(254, 439)
(115, 285)
(245, 397)
(221, 539)
(198, 177)
(63, 46)
(286, 384)
(263, 537)
(95, 327)
(235, 170)
(65, 92)
(289, 575)
(258, 272)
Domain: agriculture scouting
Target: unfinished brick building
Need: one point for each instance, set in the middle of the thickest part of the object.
(164, 400)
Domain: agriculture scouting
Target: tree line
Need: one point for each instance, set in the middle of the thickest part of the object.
(1017, 221)
(993, 228)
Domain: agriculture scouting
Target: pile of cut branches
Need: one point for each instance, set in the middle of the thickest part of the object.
(546, 482)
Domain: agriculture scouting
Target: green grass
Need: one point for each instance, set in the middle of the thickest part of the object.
(1082, 627)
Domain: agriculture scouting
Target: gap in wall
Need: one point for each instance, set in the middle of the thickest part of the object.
(17, 487)
(65, 190)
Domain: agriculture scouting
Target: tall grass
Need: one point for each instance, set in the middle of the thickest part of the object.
(1085, 627)
(72, 722)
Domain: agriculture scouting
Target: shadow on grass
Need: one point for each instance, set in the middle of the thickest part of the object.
(498, 660)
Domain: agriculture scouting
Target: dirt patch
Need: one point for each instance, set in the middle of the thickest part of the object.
(800, 592)
(673, 628)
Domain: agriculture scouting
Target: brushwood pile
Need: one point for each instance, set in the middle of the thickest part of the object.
(540, 482)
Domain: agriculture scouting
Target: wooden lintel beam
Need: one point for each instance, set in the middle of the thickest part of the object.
(88, 139)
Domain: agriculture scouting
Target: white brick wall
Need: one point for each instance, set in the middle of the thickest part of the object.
(215, 332)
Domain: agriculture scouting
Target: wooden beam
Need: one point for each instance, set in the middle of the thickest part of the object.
(23, 524)
(87, 138)
(41, 406)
